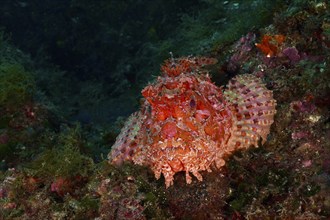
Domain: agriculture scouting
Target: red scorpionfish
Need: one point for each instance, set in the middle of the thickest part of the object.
(187, 123)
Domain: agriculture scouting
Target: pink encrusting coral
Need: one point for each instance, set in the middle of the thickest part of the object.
(188, 124)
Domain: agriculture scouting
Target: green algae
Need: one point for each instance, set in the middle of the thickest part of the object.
(64, 159)
(16, 86)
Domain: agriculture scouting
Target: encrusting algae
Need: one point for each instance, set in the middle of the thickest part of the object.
(187, 123)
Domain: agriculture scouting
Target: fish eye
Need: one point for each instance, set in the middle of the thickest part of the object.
(192, 103)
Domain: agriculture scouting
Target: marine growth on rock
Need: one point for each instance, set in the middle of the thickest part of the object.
(187, 123)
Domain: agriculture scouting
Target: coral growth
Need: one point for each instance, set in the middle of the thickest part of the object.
(270, 45)
(115, 204)
(187, 124)
(242, 50)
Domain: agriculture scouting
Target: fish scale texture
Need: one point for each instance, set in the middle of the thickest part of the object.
(187, 123)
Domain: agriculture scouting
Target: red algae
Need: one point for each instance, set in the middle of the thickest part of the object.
(270, 45)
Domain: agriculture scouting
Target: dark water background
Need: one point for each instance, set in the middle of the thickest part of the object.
(107, 51)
